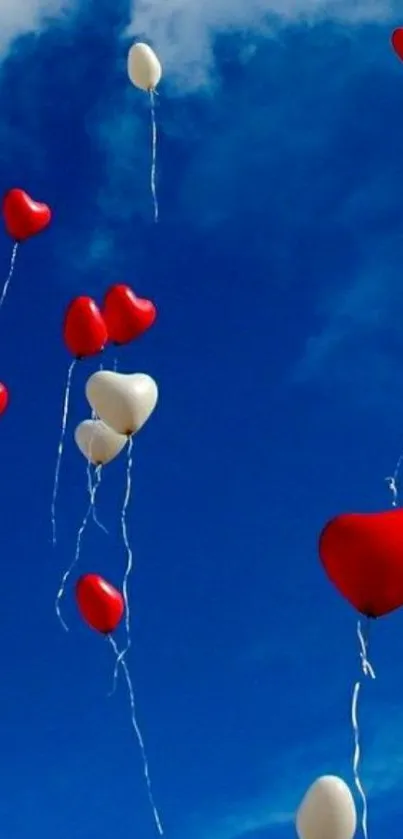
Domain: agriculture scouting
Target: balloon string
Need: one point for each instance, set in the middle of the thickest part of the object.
(392, 482)
(129, 564)
(138, 734)
(60, 448)
(10, 274)
(154, 155)
(66, 575)
(115, 364)
(367, 670)
(98, 478)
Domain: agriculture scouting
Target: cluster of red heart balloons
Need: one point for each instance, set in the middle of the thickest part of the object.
(87, 330)
(122, 318)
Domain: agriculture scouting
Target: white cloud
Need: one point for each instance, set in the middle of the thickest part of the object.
(19, 17)
(182, 31)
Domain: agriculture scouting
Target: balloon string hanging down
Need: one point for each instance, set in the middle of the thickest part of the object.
(68, 572)
(129, 564)
(23, 218)
(66, 401)
(368, 671)
(145, 71)
(139, 736)
(102, 607)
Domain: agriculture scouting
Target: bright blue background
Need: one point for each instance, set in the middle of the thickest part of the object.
(277, 271)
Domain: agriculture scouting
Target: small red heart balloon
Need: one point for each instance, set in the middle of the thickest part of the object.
(100, 604)
(126, 316)
(397, 41)
(4, 398)
(84, 329)
(362, 554)
(24, 217)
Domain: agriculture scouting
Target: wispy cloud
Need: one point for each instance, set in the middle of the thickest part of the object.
(19, 17)
(183, 31)
(291, 773)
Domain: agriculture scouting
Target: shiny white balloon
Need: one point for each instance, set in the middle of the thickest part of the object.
(327, 811)
(123, 401)
(143, 67)
(97, 442)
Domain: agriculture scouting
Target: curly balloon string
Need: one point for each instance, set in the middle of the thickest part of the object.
(92, 491)
(10, 274)
(60, 448)
(129, 564)
(66, 575)
(154, 154)
(98, 477)
(368, 671)
(393, 482)
(138, 734)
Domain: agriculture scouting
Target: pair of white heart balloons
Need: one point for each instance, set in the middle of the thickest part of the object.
(123, 403)
(327, 811)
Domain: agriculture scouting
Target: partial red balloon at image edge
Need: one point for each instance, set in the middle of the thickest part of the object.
(362, 554)
(4, 398)
(397, 41)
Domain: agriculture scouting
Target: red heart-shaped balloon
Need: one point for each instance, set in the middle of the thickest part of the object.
(126, 316)
(24, 217)
(4, 398)
(362, 554)
(397, 41)
(84, 329)
(100, 604)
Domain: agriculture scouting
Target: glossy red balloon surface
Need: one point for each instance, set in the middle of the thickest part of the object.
(4, 398)
(84, 328)
(100, 604)
(24, 217)
(397, 41)
(126, 316)
(362, 554)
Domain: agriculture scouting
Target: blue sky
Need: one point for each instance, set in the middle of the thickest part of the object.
(276, 269)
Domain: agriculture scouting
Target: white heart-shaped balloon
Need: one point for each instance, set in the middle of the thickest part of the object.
(143, 67)
(327, 811)
(123, 401)
(97, 442)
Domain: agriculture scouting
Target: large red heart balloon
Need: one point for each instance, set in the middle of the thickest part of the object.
(126, 316)
(84, 329)
(397, 41)
(362, 554)
(100, 604)
(24, 217)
